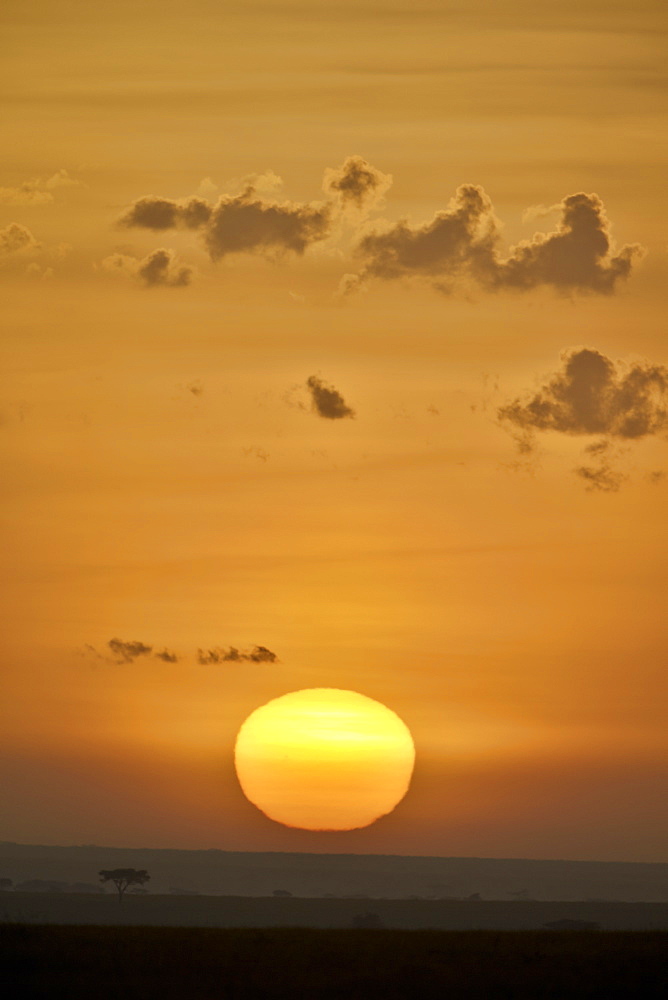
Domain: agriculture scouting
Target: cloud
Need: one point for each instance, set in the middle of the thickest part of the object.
(61, 179)
(603, 478)
(246, 223)
(590, 394)
(159, 267)
(357, 184)
(460, 247)
(163, 213)
(34, 270)
(16, 238)
(457, 242)
(258, 654)
(576, 257)
(242, 223)
(123, 651)
(127, 652)
(36, 191)
(327, 401)
(167, 656)
(457, 250)
(264, 182)
(28, 193)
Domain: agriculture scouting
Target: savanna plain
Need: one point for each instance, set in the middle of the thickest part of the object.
(146, 962)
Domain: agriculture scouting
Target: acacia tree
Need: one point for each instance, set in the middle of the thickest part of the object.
(124, 877)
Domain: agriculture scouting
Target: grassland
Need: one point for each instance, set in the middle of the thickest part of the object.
(147, 963)
(154, 910)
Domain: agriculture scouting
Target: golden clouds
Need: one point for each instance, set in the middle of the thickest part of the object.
(457, 251)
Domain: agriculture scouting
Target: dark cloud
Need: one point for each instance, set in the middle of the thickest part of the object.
(327, 401)
(592, 395)
(258, 654)
(460, 247)
(122, 651)
(167, 656)
(126, 652)
(248, 224)
(356, 183)
(159, 268)
(459, 240)
(164, 213)
(578, 256)
(243, 223)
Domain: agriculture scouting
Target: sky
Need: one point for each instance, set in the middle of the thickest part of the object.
(334, 355)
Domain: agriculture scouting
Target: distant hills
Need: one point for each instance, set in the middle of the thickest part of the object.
(234, 873)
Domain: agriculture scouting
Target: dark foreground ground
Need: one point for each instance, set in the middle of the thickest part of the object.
(168, 963)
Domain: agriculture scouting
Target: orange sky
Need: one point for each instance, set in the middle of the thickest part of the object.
(461, 516)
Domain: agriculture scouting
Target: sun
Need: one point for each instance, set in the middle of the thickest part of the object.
(324, 759)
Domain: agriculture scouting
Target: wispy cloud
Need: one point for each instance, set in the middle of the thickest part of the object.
(125, 652)
(37, 191)
(258, 654)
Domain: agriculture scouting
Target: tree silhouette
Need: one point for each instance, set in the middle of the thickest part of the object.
(124, 877)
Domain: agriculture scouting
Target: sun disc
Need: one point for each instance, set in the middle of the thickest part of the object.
(324, 759)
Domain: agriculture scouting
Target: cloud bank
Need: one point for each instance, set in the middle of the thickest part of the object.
(458, 250)
(592, 395)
